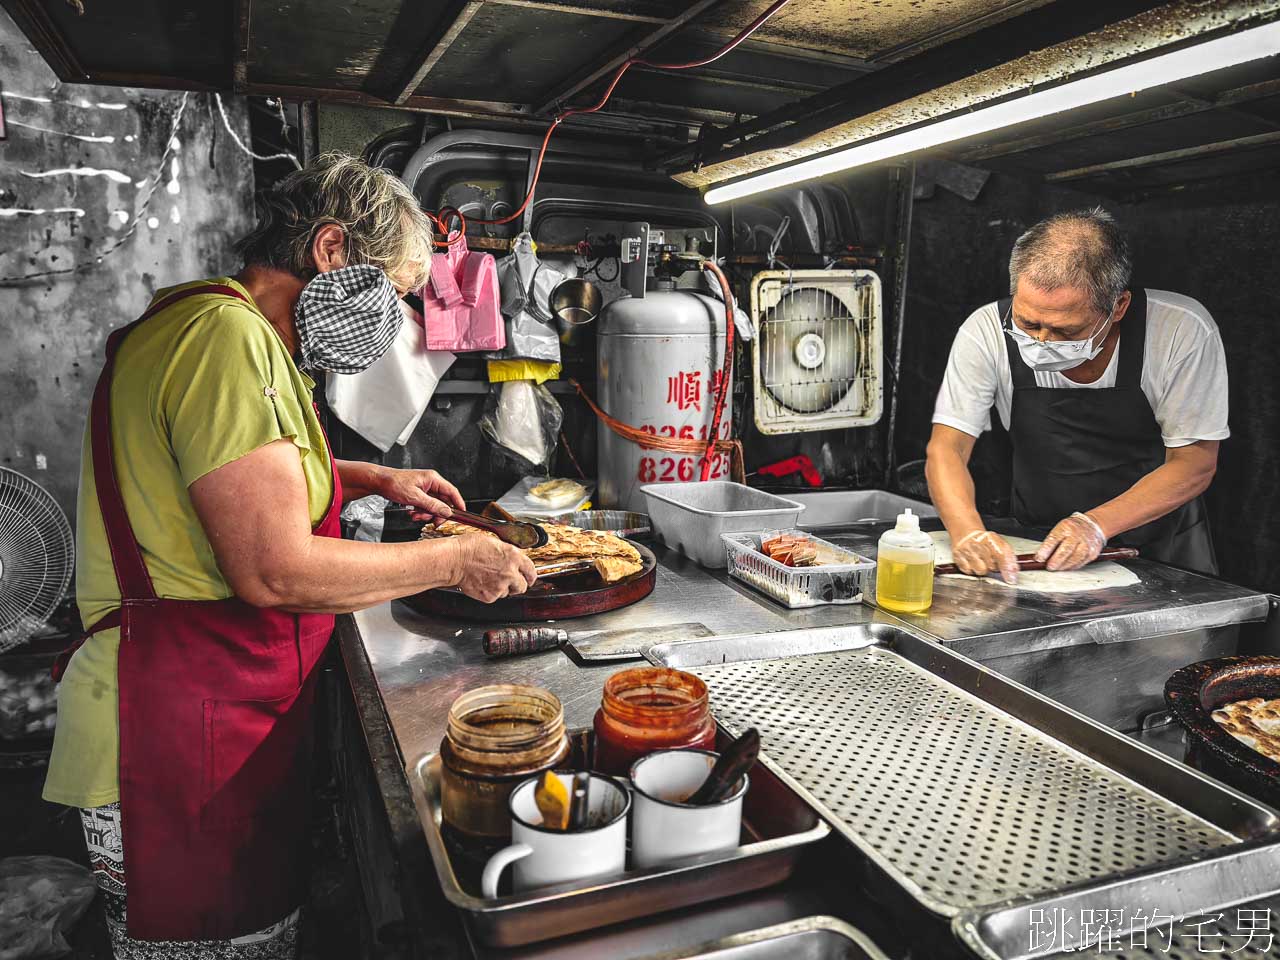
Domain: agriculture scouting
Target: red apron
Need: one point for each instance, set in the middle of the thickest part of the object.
(215, 731)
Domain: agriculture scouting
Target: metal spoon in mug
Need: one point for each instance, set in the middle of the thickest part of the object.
(737, 759)
(580, 801)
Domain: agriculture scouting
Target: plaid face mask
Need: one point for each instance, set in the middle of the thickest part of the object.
(347, 318)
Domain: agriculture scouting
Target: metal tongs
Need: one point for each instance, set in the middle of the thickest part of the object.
(526, 536)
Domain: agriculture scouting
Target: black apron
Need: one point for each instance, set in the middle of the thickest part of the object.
(1076, 448)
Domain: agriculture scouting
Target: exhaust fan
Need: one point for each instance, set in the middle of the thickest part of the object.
(817, 354)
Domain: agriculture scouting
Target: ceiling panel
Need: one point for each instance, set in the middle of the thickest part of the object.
(321, 43)
(515, 53)
(870, 29)
(164, 38)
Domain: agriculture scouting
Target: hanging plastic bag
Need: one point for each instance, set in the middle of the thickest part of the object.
(523, 419)
(525, 284)
(41, 898)
(365, 516)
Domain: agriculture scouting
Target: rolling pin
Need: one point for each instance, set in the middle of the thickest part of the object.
(1028, 561)
(512, 641)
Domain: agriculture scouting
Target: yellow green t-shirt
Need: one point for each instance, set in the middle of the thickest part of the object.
(202, 383)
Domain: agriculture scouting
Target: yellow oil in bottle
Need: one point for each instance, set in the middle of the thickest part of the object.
(904, 583)
(904, 567)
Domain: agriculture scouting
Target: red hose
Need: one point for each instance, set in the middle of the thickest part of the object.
(726, 371)
(608, 92)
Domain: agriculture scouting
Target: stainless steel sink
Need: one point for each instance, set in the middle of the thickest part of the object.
(813, 938)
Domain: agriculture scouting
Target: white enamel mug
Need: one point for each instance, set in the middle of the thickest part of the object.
(663, 827)
(544, 856)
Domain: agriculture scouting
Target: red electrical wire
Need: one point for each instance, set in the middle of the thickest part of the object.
(726, 370)
(627, 65)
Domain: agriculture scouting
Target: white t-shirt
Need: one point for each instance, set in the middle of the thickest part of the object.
(1184, 372)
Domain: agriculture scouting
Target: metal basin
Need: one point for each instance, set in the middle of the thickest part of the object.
(832, 508)
(813, 938)
(1195, 691)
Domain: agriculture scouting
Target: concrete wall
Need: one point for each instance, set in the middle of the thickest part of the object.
(52, 330)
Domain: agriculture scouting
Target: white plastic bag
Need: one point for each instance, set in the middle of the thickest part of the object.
(41, 898)
(523, 418)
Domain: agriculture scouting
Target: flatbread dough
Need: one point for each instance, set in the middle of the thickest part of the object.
(1096, 576)
(614, 558)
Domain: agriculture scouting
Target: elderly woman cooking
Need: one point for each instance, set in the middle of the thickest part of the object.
(210, 566)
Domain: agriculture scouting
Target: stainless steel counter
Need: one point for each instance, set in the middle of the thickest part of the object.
(1107, 655)
(421, 663)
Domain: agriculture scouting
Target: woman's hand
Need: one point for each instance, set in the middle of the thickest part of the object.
(430, 493)
(490, 569)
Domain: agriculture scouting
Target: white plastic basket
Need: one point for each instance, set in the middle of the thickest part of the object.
(797, 587)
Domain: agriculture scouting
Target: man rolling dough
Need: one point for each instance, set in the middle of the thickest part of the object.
(1115, 399)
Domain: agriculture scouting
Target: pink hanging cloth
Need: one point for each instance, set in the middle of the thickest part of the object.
(460, 308)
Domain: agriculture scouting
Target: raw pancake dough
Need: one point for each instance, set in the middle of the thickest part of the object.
(1096, 576)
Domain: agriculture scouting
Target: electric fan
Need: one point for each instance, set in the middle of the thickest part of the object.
(36, 557)
(816, 355)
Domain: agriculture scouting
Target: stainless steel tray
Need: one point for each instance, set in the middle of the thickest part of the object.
(777, 828)
(812, 938)
(968, 790)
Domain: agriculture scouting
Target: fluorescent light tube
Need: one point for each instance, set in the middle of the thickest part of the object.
(1190, 61)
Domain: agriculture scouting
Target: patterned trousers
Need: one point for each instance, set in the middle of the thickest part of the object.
(106, 857)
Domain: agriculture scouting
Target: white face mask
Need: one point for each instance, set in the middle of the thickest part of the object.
(1054, 356)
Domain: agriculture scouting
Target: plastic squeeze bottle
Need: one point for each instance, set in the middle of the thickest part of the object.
(904, 567)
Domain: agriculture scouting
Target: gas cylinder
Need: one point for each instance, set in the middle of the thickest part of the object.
(659, 364)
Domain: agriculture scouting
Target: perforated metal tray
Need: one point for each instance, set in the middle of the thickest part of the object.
(969, 791)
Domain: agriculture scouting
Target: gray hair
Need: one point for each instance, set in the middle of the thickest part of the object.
(384, 223)
(1083, 249)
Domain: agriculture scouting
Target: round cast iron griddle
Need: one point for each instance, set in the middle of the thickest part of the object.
(557, 598)
(1196, 690)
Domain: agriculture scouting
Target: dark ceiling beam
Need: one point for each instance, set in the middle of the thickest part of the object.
(586, 78)
(579, 10)
(724, 78)
(33, 19)
(974, 53)
(156, 81)
(1138, 118)
(478, 109)
(452, 21)
(1168, 156)
(1231, 110)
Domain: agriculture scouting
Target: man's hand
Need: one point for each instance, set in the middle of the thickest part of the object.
(1073, 543)
(983, 552)
(432, 494)
(490, 569)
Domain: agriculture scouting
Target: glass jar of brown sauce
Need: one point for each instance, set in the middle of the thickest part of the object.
(496, 737)
(650, 708)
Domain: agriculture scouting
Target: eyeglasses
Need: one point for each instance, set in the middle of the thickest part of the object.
(1017, 333)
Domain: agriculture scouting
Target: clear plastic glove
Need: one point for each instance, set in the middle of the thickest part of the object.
(1073, 543)
(984, 552)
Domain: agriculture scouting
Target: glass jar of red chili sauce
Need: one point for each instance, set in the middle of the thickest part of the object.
(650, 708)
(497, 737)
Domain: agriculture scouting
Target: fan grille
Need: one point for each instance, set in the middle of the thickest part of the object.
(818, 351)
(37, 555)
